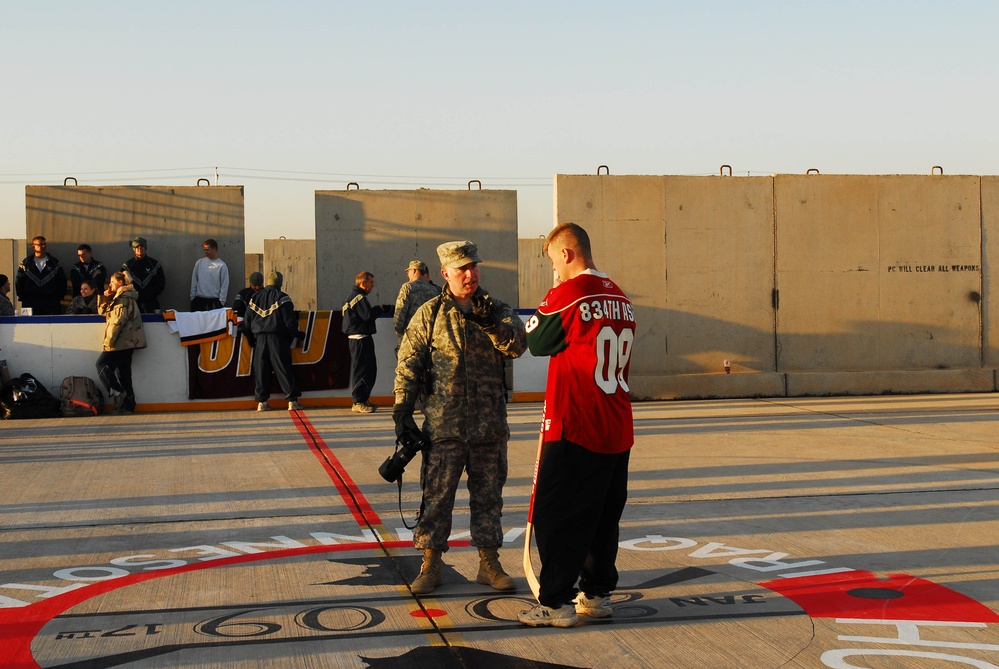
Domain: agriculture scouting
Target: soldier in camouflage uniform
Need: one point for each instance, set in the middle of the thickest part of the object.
(456, 343)
(412, 295)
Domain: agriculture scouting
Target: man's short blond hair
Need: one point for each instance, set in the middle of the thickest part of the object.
(570, 235)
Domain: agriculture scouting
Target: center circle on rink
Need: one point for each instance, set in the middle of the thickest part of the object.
(352, 600)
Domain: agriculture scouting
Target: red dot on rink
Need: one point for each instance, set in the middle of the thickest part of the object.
(428, 613)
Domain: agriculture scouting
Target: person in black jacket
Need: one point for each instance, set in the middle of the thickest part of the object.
(40, 281)
(243, 297)
(269, 326)
(87, 267)
(359, 324)
(146, 275)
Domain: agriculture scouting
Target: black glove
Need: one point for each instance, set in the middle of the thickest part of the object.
(403, 417)
(250, 339)
(483, 314)
(300, 335)
(388, 309)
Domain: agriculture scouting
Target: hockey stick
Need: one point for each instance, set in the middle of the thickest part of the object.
(532, 579)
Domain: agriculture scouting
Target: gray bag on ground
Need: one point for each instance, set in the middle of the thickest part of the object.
(81, 397)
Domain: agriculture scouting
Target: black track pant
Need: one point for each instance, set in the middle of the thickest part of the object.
(363, 368)
(272, 355)
(577, 509)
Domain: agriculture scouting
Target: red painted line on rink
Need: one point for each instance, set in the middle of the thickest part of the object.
(19, 626)
(349, 492)
(864, 595)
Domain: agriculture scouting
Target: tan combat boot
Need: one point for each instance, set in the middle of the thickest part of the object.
(490, 571)
(430, 573)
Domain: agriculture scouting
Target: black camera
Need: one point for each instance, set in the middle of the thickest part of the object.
(406, 447)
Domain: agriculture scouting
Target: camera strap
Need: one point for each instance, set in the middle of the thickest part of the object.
(401, 515)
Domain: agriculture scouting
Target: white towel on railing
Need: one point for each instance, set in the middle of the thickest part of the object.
(196, 327)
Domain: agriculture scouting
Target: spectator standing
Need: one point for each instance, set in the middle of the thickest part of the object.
(87, 267)
(146, 275)
(412, 295)
(123, 334)
(6, 308)
(459, 340)
(359, 318)
(587, 325)
(86, 302)
(243, 297)
(41, 281)
(209, 280)
(269, 327)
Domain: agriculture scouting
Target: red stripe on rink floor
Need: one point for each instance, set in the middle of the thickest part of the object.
(349, 492)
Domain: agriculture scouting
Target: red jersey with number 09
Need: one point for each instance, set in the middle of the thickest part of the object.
(587, 326)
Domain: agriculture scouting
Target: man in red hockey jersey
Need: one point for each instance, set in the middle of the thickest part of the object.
(587, 325)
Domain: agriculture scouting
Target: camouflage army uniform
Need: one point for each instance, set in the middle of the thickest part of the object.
(465, 413)
(412, 295)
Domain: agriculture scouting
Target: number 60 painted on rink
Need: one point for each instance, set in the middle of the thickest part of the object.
(613, 353)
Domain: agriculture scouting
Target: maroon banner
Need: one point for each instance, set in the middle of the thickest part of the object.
(221, 369)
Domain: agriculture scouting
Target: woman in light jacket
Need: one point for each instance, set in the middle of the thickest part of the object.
(122, 335)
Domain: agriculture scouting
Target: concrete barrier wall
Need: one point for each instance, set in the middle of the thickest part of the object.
(990, 271)
(381, 231)
(173, 220)
(10, 255)
(252, 262)
(696, 257)
(810, 284)
(878, 273)
(535, 275)
(296, 260)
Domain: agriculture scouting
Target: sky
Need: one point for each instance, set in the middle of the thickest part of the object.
(286, 98)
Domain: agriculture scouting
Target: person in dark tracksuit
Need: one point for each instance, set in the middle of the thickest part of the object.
(40, 281)
(147, 275)
(359, 318)
(270, 326)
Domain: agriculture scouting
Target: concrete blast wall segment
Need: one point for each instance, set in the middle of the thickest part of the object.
(878, 273)
(536, 276)
(11, 253)
(990, 271)
(381, 231)
(296, 260)
(808, 284)
(173, 220)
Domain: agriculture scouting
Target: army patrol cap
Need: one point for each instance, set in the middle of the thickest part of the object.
(458, 254)
(419, 266)
(139, 241)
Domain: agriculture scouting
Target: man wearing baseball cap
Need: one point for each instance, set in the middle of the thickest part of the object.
(256, 281)
(270, 326)
(413, 294)
(146, 276)
(460, 341)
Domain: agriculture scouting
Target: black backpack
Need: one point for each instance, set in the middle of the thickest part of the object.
(27, 397)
